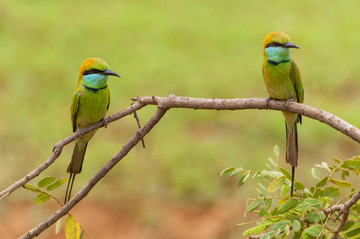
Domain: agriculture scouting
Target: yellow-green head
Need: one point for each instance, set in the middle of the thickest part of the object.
(94, 73)
(277, 46)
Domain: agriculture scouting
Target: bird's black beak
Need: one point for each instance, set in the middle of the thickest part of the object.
(290, 45)
(110, 72)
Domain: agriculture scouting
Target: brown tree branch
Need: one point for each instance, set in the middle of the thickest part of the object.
(254, 103)
(344, 209)
(163, 104)
(99, 175)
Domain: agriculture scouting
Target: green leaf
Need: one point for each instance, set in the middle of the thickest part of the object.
(337, 160)
(312, 231)
(46, 181)
(313, 202)
(313, 217)
(332, 192)
(322, 182)
(273, 174)
(32, 188)
(285, 173)
(266, 207)
(72, 228)
(58, 226)
(227, 171)
(82, 234)
(351, 164)
(281, 224)
(302, 207)
(56, 184)
(276, 150)
(276, 184)
(296, 226)
(267, 235)
(288, 205)
(339, 183)
(353, 232)
(41, 198)
(286, 230)
(314, 173)
(244, 177)
(272, 161)
(236, 171)
(347, 226)
(253, 205)
(299, 186)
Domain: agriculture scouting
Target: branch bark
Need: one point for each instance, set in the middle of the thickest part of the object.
(344, 209)
(165, 103)
(254, 103)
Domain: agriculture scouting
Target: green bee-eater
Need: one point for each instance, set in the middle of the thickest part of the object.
(283, 82)
(89, 105)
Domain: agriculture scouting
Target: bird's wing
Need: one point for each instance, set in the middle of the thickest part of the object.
(107, 107)
(74, 108)
(296, 80)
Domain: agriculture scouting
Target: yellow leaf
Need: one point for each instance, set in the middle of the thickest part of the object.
(72, 228)
(58, 226)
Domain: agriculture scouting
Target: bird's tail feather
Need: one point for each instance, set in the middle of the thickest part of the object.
(69, 187)
(75, 167)
(292, 146)
(292, 151)
(77, 159)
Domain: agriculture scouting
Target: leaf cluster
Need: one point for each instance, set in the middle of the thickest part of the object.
(303, 215)
(73, 230)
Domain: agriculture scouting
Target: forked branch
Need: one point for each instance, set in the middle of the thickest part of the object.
(163, 104)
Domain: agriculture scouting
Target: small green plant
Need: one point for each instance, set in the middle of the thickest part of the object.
(73, 230)
(313, 212)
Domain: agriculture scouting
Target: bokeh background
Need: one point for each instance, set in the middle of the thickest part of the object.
(213, 49)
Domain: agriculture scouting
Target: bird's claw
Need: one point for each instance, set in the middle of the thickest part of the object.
(287, 102)
(105, 122)
(80, 132)
(267, 101)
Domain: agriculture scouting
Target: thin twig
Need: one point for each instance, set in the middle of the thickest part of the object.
(139, 125)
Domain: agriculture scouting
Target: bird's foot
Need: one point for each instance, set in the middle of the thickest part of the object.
(287, 102)
(105, 122)
(80, 132)
(267, 101)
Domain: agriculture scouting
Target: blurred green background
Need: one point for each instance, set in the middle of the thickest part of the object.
(209, 49)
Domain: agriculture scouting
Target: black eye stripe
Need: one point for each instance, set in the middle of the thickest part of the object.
(274, 44)
(92, 71)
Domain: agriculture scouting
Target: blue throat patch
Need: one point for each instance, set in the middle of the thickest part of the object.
(277, 55)
(95, 81)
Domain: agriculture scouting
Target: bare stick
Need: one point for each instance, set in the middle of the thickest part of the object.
(254, 103)
(99, 175)
(139, 125)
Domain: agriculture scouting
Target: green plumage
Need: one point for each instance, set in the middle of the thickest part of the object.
(88, 106)
(283, 82)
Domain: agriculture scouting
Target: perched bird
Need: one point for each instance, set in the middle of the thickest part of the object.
(89, 105)
(283, 82)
